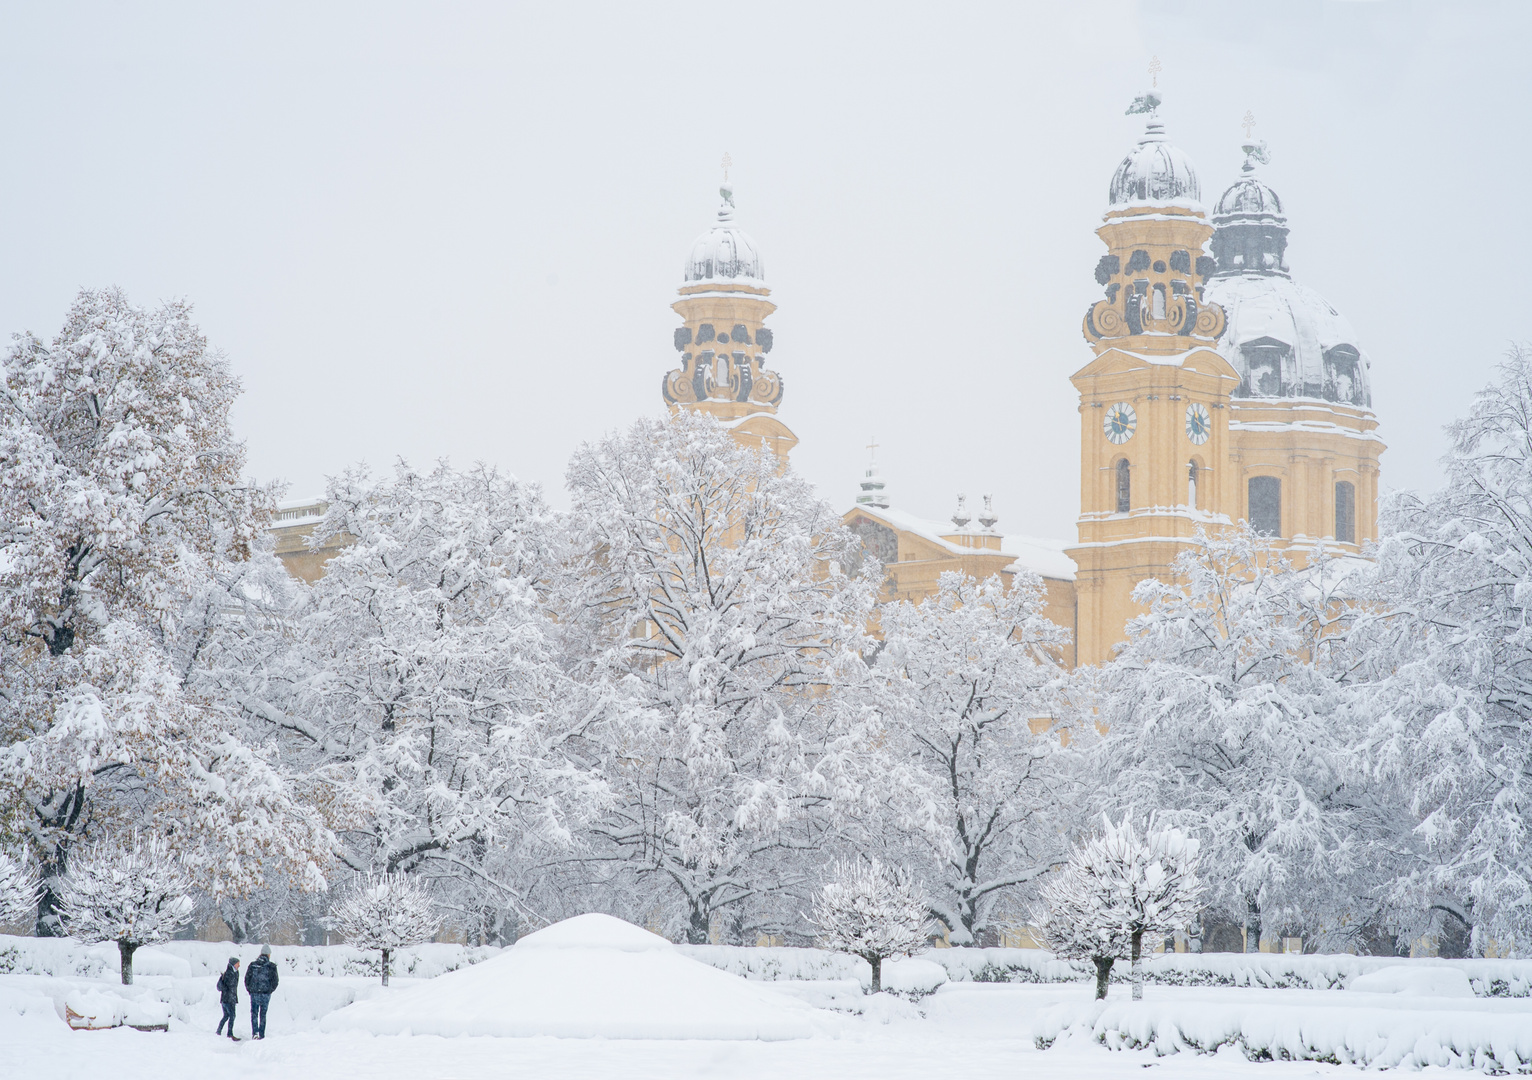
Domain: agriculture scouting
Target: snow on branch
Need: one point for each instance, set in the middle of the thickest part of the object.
(134, 893)
(872, 911)
(387, 912)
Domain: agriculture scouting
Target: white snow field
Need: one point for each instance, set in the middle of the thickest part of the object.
(1275, 1016)
(592, 976)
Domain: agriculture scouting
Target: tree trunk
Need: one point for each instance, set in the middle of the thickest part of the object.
(385, 967)
(1103, 974)
(125, 951)
(877, 973)
(1252, 926)
(698, 930)
(1137, 970)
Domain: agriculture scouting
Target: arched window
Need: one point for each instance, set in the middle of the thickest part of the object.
(1191, 483)
(1159, 302)
(1265, 512)
(1124, 486)
(1345, 512)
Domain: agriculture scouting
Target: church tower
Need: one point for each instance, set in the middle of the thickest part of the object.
(1221, 390)
(724, 342)
(1154, 402)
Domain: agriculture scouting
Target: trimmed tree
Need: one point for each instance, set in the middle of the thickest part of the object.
(19, 887)
(1116, 888)
(387, 912)
(872, 911)
(134, 894)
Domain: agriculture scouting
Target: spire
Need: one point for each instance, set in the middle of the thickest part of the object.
(872, 483)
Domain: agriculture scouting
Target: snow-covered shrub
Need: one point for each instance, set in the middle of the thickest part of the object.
(18, 890)
(387, 912)
(1116, 888)
(872, 911)
(134, 893)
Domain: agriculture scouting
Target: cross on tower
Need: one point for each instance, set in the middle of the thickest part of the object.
(872, 448)
(1248, 123)
(727, 162)
(1154, 70)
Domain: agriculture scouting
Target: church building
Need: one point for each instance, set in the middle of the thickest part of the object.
(1216, 389)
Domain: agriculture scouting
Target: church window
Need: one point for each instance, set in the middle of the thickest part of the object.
(1345, 512)
(1191, 483)
(1159, 301)
(1159, 266)
(1341, 363)
(1124, 486)
(1181, 261)
(1264, 359)
(1265, 512)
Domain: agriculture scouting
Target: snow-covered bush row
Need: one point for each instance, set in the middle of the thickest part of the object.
(1489, 978)
(65, 957)
(1382, 1037)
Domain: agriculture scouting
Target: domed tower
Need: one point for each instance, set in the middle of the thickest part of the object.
(724, 342)
(1305, 440)
(1154, 400)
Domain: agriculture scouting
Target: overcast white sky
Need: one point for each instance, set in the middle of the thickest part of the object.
(455, 230)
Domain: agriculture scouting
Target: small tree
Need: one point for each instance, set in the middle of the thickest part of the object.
(19, 887)
(871, 911)
(133, 894)
(1116, 888)
(387, 912)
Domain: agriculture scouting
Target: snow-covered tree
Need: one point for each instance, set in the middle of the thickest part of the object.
(122, 498)
(1116, 888)
(963, 687)
(1449, 746)
(133, 891)
(1228, 711)
(387, 912)
(707, 581)
(870, 910)
(428, 701)
(19, 887)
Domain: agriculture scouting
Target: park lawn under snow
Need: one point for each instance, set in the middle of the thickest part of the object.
(602, 981)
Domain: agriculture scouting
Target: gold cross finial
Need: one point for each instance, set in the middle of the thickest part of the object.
(727, 162)
(1154, 70)
(1248, 123)
(872, 447)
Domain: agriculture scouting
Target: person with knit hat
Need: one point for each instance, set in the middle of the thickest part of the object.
(228, 995)
(261, 981)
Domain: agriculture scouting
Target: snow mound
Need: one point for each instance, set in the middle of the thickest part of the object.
(1414, 982)
(592, 976)
(594, 931)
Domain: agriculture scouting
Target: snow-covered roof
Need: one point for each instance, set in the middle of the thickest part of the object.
(1155, 172)
(1301, 345)
(725, 253)
(1043, 557)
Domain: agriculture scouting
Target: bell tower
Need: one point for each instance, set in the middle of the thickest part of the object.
(1154, 400)
(724, 342)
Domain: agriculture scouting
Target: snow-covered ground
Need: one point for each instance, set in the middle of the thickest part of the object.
(1397, 1014)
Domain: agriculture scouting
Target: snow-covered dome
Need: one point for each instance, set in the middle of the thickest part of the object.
(725, 253)
(1286, 340)
(1155, 171)
(1248, 197)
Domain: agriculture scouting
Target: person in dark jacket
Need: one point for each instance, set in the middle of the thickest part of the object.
(228, 994)
(261, 981)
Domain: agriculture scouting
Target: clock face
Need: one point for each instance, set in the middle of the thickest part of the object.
(1199, 425)
(1120, 422)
